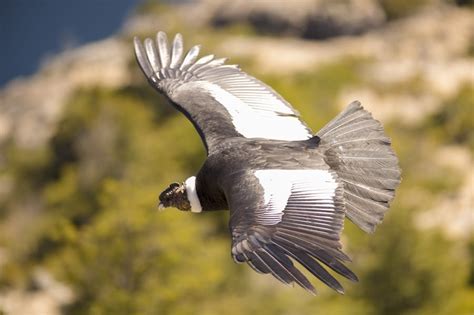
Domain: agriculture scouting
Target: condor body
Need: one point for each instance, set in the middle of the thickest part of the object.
(288, 190)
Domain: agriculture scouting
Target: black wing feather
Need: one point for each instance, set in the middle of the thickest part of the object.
(308, 232)
(207, 92)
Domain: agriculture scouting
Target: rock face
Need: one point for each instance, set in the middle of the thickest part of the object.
(420, 45)
(414, 49)
(315, 19)
(47, 299)
(432, 49)
(457, 208)
(30, 107)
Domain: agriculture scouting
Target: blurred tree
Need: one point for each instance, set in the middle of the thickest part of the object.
(395, 9)
(404, 269)
(95, 225)
(453, 122)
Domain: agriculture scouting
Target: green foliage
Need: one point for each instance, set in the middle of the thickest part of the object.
(453, 122)
(27, 164)
(395, 9)
(471, 262)
(151, 7)
(314, 92)
(414, 86)
(402, 268)
(238, 28)
(131, 261)
(98, 230)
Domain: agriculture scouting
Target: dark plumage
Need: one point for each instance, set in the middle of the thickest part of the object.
(288, 190)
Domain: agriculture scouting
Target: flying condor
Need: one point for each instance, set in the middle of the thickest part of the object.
(287, 189)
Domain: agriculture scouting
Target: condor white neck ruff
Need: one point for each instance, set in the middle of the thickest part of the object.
(191, 192)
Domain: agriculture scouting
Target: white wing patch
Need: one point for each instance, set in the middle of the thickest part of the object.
(255, 109)
(317, 186)
(260, 118)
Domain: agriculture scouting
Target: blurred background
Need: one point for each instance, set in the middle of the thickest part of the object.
(86, 146)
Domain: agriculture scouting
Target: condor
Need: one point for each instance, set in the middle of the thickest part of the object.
(288, 190)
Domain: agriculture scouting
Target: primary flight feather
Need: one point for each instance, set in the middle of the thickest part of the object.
(288, 190)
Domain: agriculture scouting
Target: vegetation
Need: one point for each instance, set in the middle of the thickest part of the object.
(84, 208)
(452, 123)
(395, 9)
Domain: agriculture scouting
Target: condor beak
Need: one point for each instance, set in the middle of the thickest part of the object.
(161, 207)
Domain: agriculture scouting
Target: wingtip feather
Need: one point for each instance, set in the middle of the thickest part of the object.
(152, 55)
(162, 42)
(177, 51)
(141, 57)
(190, 57)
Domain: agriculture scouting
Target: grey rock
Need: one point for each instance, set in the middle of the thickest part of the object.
(316, 19)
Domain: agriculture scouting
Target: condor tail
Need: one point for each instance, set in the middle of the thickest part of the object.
(360, 153)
